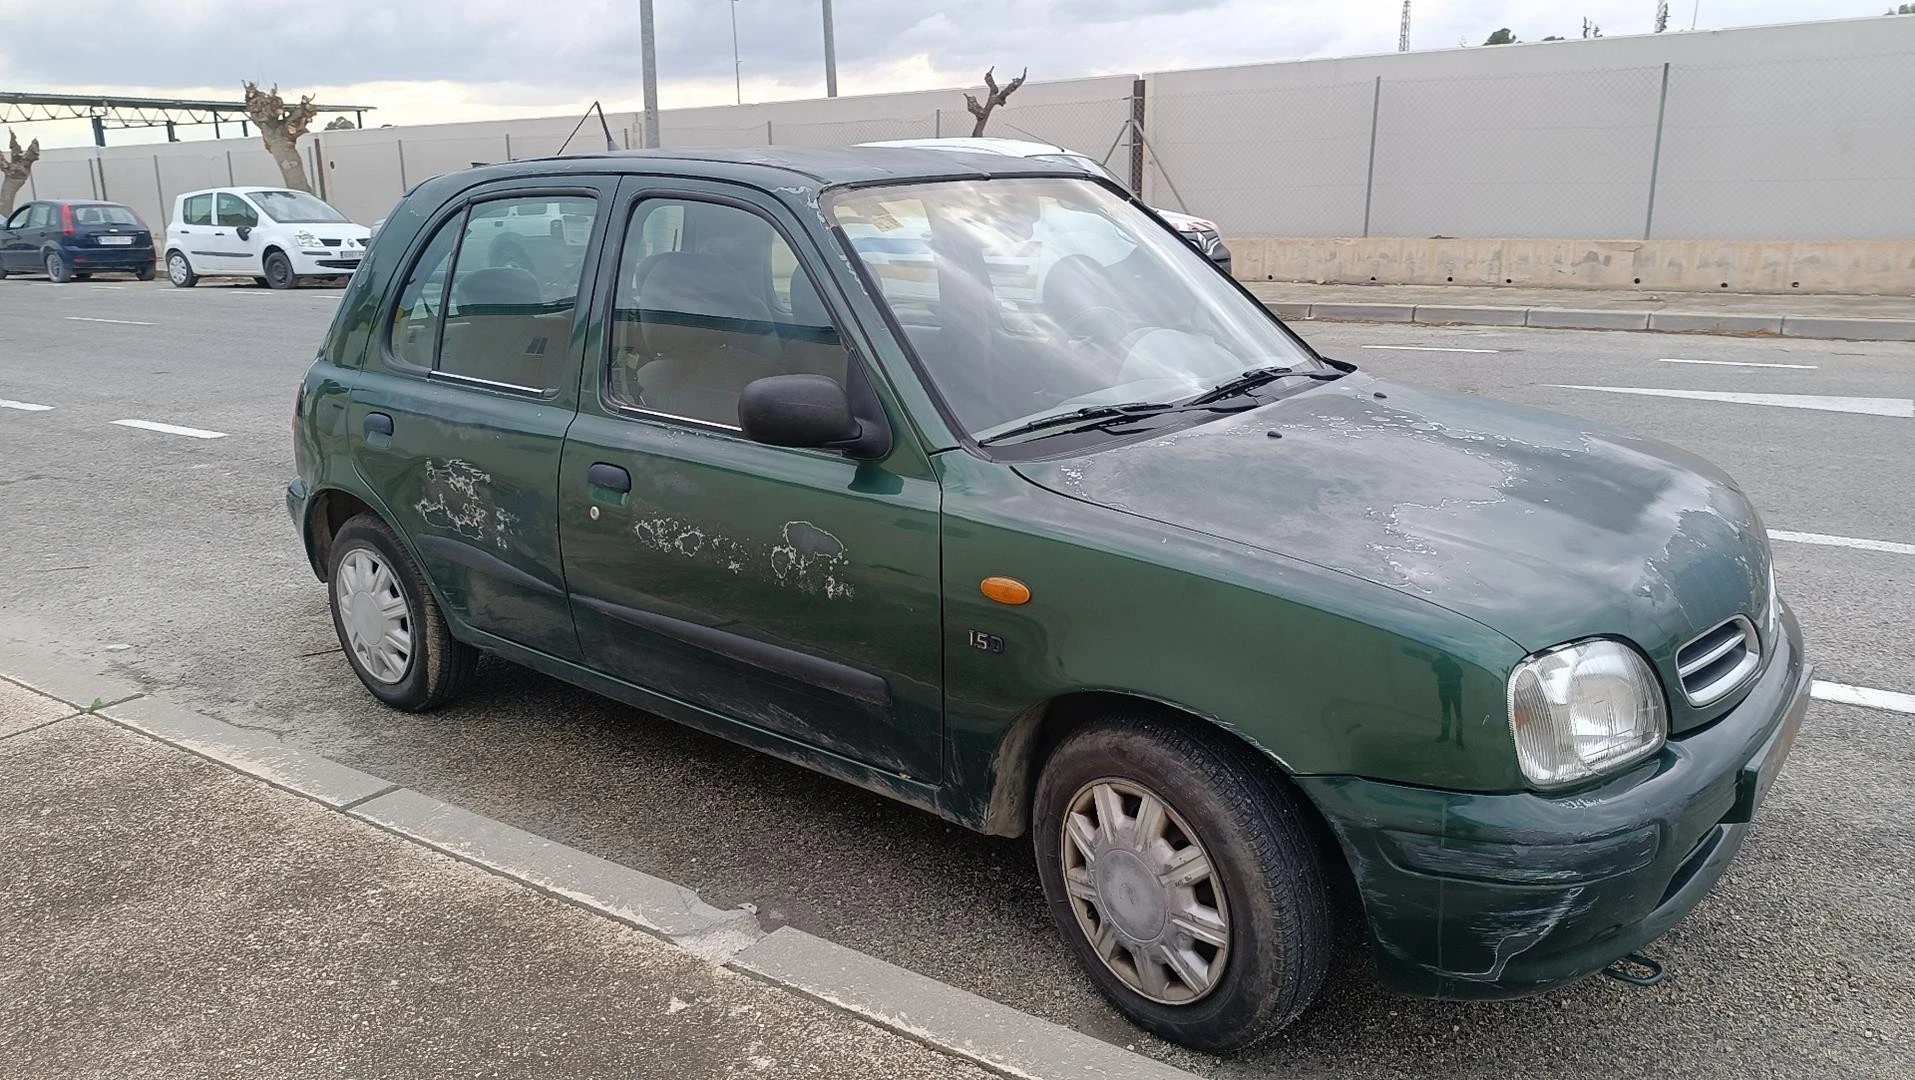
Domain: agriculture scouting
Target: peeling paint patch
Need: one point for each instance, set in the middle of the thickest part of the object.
(804, 557)
(458, 499)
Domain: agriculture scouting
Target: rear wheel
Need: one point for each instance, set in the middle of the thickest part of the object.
(1181, 871)
(179, 271)
(389, 622)
(144, 273)
(58, 271)
(83, 277)
(279, 271)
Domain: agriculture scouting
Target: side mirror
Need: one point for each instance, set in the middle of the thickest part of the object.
(244, 231)
(810, 412)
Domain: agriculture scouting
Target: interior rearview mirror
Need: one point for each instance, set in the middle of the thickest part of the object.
(809, 412)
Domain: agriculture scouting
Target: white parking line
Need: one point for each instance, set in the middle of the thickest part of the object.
(1872, 406)
(1862, 695)
(1738, 363)
(171, 429)
(1429, 348)
(1841, 541)
(116, 322)
(24, 406)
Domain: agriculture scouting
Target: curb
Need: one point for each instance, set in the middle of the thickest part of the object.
(1670, 322)
(942, 1017)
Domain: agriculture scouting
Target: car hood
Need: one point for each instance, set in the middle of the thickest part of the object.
(1178, 220)
(1543, 527)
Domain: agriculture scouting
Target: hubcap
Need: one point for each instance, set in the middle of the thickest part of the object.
(54, 266)
(176, 268)
(1144, 892)
(374, 613)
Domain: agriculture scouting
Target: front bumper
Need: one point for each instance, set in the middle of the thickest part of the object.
(1474, 896)
(331, 264)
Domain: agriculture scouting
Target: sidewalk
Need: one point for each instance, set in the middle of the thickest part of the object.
(1872, 318)
(162, 915)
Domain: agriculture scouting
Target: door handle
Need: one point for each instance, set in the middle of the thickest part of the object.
(378, 423)
(609, 477)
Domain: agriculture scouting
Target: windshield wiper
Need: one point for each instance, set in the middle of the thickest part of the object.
(1254, 378)
(1096, 414)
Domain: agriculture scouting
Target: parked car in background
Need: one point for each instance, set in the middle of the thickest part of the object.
(275, 236)
(73, 239)
(1201, 232)
(1079, 543)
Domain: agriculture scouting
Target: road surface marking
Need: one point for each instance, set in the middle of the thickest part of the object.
(170, 429)
(117, 322)
(1429, 348)
(1841, 541)
(1739, 363)
(24, 406)
(1862, 695)
(1871, 406)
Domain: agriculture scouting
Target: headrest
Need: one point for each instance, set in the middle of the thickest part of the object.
(496, 290)
(686, 298)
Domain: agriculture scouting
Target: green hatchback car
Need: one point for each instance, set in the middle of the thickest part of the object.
(965, 480)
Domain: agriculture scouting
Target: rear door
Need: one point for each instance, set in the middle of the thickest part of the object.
(193, 232)
(14, 247)
(795, 591)
(461, 412)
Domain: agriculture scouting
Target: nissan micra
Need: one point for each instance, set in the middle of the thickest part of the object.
(1034, 519)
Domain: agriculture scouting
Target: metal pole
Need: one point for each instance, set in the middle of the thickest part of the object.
(831, 54)
(769, 141)
(1137, 138)
(737, 65)
(508, 146)
(230, 182)
(215, 125)
(1369, 179)
(401, 144)
(1655, 158)
(937, 123)
(159, 186)
(648, 56)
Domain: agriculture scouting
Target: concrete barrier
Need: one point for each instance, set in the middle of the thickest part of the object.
(1866, 268)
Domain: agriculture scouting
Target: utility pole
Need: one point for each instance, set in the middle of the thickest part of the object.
(1403, 32)
(737, 65)
(648, 56)
(831, 55)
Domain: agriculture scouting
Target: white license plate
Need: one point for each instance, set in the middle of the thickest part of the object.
(121, 240)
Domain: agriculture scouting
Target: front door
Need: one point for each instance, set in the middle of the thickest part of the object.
(794, 591)
(16, 250)
(462, 411)
(236, 246)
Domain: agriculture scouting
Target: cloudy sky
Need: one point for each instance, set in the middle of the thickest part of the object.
(424, 61)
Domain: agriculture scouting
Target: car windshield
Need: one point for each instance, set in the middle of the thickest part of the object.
(1024, 298)
(294, 207)
(104, 214)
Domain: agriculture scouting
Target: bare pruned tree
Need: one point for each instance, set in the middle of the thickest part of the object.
(280, 126)
(15, 165)
(993, 97)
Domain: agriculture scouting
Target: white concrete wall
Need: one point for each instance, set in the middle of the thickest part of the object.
(1797, 132)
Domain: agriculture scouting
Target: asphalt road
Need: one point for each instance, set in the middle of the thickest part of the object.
(173, 557)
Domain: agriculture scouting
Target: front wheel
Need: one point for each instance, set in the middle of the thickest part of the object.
(57, 270)
(1183, 874)
(279, 271)
(179, 271)
(389, 623)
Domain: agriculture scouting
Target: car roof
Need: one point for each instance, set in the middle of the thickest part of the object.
(1019, 148)
(821, 166)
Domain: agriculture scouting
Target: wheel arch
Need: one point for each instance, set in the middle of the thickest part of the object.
(326, 512)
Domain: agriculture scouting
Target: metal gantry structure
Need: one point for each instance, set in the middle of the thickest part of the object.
(119, 113)
(1403, 31)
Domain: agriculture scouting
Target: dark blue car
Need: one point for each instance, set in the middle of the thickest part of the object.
(73, 239)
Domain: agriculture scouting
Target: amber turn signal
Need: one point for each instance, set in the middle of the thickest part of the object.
(1005, 590)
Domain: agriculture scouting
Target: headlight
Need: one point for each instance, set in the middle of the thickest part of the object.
(306, 240)
(1583, 709)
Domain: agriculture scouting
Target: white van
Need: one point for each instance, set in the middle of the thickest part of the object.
(276, 236)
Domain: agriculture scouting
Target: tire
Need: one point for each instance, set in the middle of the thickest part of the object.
(1266, 897)
(279, 271)
(436, 666)
(58, 271)
(179, 271)
(261, 282)
(83, 277)
(144, 273)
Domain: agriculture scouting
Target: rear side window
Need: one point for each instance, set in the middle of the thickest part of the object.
(709, 299)
(42, 216)
(491, 300)
(235, 211)
(198, 210)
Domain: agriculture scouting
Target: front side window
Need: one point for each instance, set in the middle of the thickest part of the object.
(19, 218)
(294, 207)
(232, 210)
(710, 298)
(197, 210)
(1028, 298)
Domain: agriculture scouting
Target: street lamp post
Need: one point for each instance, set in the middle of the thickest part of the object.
(737, 65)
(648, 56)
(831, 55)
